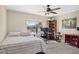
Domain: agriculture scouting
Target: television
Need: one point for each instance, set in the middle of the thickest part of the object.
(77, 28)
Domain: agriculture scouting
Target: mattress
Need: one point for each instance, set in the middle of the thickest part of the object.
(22, 45)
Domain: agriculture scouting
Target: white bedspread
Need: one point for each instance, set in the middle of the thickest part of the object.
(22, 45)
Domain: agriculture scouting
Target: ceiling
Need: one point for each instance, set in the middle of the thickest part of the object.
(35, 9)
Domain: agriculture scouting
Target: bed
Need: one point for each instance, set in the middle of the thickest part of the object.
(22, 45)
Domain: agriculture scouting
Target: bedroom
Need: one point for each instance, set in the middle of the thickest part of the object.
(13, 20)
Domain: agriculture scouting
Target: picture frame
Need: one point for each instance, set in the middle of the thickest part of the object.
(69, 23)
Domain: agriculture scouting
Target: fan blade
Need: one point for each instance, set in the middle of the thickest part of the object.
(54, 12)
(41, 11)
(56, 8)
(46, 13)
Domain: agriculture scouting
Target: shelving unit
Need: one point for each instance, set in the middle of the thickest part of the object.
(52, 28)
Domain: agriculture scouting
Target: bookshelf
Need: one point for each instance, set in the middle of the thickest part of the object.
(52, 28)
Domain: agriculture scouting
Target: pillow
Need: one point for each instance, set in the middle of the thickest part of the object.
(14, 34)
(25, 33)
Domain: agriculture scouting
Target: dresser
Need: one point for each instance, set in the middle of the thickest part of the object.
(72, 39)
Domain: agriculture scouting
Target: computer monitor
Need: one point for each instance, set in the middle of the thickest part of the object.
(44, 29)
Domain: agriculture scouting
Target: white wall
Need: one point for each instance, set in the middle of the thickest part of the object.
(65, 16)
(16, 20)
(3, 23)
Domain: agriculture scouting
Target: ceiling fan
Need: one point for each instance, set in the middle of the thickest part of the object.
(50, 10)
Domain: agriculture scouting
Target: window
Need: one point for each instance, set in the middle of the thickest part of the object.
(33, 25)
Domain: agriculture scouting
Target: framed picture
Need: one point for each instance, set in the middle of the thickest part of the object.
(69, 23)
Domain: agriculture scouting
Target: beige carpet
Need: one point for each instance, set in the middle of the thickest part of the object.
(60, 48)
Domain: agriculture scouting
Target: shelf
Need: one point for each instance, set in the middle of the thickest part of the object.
(52, 28)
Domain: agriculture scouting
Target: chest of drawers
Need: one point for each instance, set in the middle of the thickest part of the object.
(72, 39)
